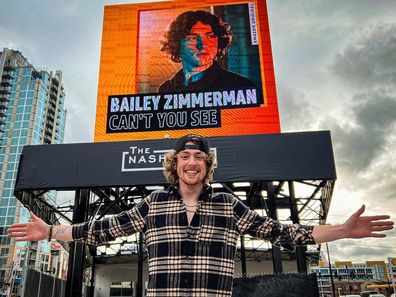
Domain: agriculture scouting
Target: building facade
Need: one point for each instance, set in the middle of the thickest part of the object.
(59, 260)
(392, 272)
(32, 112)
(349, 277)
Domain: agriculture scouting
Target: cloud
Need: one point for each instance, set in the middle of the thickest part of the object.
(366, 66)
(68, 40)
(362, 137)
(355, 98)
(297, 112)
(370, 60)
(361, 250)
(358, 251)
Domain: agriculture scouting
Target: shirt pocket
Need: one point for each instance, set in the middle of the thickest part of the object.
(214, 229)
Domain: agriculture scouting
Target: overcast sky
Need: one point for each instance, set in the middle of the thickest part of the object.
(335, 67)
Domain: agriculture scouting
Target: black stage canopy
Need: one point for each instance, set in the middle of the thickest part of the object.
(285, 156)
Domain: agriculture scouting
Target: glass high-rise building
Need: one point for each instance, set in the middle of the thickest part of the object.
(32, 111)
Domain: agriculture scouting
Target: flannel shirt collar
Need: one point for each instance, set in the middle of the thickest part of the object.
(206, 194)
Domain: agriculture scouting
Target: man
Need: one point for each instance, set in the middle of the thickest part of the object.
(197, 39)
(191, 232)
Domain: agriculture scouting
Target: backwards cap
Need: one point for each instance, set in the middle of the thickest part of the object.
(199, 143)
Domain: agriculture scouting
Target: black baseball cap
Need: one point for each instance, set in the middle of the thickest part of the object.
(200, 143)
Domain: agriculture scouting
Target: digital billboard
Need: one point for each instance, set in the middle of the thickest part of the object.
(172, 68)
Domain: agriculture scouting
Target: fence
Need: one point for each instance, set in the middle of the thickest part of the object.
(39, 284)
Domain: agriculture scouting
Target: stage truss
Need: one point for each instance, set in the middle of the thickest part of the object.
(309, 199)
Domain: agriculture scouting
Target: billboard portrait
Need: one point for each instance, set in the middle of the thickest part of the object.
(171, 68)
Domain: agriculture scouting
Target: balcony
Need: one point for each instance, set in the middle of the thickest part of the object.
(6, 82)
(54, 88)
(5, 90)
(4, 98)
(50, 124)
(9, 66)
(53, 104)
(55, 80)
(51, 116)
(47, 139)
(51, 109)
(48, 132)
(53, 95)
(8, 74)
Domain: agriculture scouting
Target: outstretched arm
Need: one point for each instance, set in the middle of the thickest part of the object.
(39, 230)
(357, 226)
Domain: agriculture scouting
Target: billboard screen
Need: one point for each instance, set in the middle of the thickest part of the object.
(171, 68)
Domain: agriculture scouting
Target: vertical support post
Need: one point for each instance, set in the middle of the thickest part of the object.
(276, 254)
(331, 272)
(75, 270)
(39, 285)
(92, 289)
(243, 256)
(300, 250)
(53, 285)
(139, 283)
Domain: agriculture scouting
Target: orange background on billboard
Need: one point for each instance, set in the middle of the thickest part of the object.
(119, 65)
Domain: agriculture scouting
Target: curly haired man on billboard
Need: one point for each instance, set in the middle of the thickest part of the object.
(198, 39)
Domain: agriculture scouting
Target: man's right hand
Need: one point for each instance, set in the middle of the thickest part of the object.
(31, 231)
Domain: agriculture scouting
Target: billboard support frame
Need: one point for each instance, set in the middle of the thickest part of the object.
(271, 204)
(303, 158)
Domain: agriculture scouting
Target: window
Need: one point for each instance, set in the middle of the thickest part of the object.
(5, 240)
(10, 221)
(4, 252)
(11, 211)
(27, 71)
(3, 261)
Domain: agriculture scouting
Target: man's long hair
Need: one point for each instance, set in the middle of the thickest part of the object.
(170, 171)
(181, 27)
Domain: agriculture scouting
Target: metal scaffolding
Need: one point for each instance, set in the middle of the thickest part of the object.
(290, 200)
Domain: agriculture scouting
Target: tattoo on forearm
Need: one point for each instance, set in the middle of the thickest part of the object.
(60, 231)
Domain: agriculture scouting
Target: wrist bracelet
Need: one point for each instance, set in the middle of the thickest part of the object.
(50, 233)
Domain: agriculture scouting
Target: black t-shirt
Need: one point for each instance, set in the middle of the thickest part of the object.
(214, 78)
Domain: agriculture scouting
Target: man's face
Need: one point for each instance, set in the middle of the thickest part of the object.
(199, 47)
(191, 166)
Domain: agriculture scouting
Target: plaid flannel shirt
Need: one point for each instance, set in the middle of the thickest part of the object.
(195, 259)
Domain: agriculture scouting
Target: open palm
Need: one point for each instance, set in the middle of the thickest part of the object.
(31, 231)
(358, 226)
